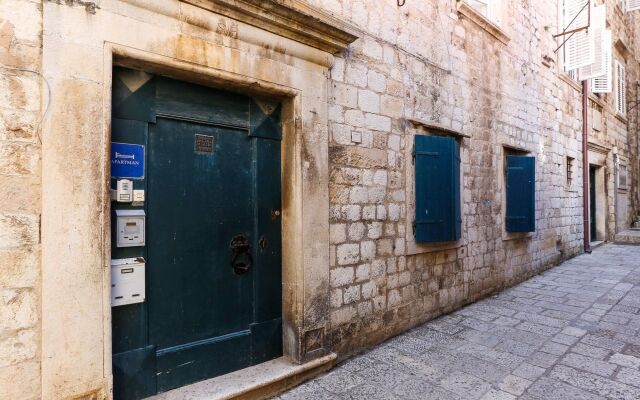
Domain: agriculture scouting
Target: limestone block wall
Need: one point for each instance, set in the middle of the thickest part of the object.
(633, 116)
(429, 61)
(501, 88)
(620, 133)
(20, 114)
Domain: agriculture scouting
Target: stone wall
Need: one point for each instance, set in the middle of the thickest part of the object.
(20, 88)
(633, 99)
(428, 61)
(500, 87)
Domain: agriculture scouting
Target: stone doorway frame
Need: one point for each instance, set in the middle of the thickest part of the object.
(598, 158)
(291, 64)
(292, 132)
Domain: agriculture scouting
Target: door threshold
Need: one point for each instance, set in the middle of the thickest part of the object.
(596, 243)
(257, 382)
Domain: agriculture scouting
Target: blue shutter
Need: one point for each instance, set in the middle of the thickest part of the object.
(437, 183)
(457, 215)
(521, 194)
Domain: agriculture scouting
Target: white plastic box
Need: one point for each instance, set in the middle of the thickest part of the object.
(127, 281)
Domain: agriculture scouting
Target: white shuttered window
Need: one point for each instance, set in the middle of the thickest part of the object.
(596, 33)
(603, 83)
(578, 51)
(633, 5)
(578, 48)
(621, 88)
(574, 14)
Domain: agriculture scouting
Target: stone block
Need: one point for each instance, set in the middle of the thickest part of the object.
(354, 118)
(514, 384)
(18, 230)
(351, 294)
(377, 122)
(19, 308)
(20, 91)
(363, 272)
(369, 290)
(351, 212)
(345, 95)
(341, 276)
(337, 233)
(374, 230)
(18, 126)
(18, 158)
(342, 315)
(368, 101)
(348, 254)
(336, 298)
(17, 348)
(356, 231)
(22, 19)
(589, 364)
(21, 381)
(20, 268)
(368, 250)
(358, 194)
(376, 81)
(356, 74)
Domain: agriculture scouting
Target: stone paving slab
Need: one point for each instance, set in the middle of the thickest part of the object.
(569, 333)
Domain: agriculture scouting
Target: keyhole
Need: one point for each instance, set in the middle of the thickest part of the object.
(263, 243)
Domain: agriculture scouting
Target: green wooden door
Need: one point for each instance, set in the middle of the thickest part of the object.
(592, 203)
(213, 238)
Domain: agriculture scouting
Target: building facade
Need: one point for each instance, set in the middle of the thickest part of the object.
(342, 92)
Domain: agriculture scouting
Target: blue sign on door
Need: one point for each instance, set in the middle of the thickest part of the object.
(127, 160)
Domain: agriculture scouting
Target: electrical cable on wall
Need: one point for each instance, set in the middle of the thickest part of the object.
(46, 109)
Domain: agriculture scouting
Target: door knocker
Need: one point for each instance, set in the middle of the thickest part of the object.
(241, 258)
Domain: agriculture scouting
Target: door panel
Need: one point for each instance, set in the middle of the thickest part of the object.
(195, 210)
(592, 203)
(212, 175)
(202, 360)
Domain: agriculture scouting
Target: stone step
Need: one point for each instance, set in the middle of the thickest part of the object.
(630, 236)
(262, 381)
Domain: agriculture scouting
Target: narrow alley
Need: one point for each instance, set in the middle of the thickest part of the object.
(569, 333)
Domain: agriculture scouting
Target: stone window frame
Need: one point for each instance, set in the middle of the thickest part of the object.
(619, 88)
(510, 150)
(492, 27)
(623, 164)
(415, 127)
(490, 9)
(570, 172)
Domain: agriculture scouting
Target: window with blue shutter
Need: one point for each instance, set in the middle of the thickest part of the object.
(437, 189)
(521, 193)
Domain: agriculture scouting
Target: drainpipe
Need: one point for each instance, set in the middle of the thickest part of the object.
(636, 211)
(585, 169)
(615, 189)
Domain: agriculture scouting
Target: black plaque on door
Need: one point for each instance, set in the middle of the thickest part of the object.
(204, 144)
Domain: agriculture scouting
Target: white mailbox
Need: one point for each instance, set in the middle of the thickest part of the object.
(127, 281)
(130, 228)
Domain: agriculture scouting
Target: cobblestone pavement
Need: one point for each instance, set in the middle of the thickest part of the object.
(570, 333)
